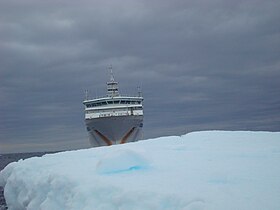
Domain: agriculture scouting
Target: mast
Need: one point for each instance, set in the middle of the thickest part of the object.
(112, 85)
(86, 94)
(139, 91)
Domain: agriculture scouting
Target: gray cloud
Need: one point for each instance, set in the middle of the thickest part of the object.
(201, 64)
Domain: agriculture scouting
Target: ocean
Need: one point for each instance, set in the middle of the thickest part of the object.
(5, 159)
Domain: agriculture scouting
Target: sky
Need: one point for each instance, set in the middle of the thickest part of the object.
(202, 65)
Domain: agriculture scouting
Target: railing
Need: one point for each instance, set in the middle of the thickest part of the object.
(92, 116)
(113, 114)
(105, 96)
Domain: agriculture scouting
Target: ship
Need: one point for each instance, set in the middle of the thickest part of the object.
(114, 118)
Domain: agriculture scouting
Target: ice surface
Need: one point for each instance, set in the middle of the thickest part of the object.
(213, 170)
(121, 161)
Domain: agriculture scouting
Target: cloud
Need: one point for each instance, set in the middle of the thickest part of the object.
(201, 64)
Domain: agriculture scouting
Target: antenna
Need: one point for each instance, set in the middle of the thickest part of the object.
(86, 92)
(112, 79)
(139, 91)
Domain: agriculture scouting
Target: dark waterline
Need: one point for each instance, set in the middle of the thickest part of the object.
(5, 159)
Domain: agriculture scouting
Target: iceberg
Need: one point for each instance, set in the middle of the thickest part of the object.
(213, 170)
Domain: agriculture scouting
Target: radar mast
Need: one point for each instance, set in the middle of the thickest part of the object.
(112, 85)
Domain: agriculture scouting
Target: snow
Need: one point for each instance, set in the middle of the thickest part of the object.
(211, 170)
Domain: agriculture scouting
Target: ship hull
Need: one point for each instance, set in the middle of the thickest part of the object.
(114, 130)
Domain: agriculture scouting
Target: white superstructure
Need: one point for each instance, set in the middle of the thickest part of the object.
(117, 106)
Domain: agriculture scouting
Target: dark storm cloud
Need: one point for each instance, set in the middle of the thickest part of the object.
(201, 64)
